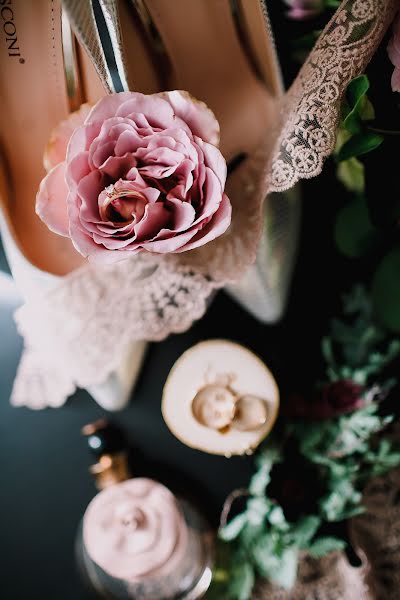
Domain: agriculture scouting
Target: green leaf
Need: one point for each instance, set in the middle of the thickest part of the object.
(342, 499)
(241, 582)
(386, 290)
(351, 174)
(250, 534)
(367, 111)
(265, 460)
(327, 352)
(325, 545)
(354, 233)
(360, 143)
(233, 528)
(285, 574)
(259, 481)
(304, 530)
(265, 556)
(342, 137)
(268, 456)
(357, 301)
(277, 518)
(257, 510)
(355, 93)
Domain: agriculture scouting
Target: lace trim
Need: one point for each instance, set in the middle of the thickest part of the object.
(312, 107)
(78, 333)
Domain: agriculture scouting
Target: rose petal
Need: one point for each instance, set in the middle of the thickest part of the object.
(128, 141)
(83, 242)
(184, 174)
(109, 132)
(196, 114)
(182, 215)
(396, 80)
(88, 191)
(51, 201)
(107, 107)
(101, 154)
(56, 149)
(393, 53)
(117, 167)
(159, 163)
(217, 225)
(171, 244)
(112, 243)
(157, 111)
(156, 217)
(77, 168)
(81, 139)
(214, 159)
(212, 196)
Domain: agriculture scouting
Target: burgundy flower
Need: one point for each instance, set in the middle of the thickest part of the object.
(334, 399)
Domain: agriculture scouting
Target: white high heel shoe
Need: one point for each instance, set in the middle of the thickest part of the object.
(37, 258)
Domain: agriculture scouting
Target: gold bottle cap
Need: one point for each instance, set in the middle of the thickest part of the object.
(107, 445)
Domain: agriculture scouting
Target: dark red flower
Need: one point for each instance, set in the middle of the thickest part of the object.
(334, 399)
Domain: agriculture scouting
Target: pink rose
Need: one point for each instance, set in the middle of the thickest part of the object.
(141, 173)
(394, 54)
(301, 10)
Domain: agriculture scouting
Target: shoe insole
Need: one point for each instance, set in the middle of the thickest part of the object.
(33, 100)
(208, 60)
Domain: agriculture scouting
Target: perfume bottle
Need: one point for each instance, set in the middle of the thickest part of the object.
(137, 541)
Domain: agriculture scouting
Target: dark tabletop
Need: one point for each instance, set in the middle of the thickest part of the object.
(45, 484)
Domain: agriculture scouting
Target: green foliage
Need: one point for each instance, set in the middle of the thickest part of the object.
(357, 347)
(261, 478)
(351, 174)
(325, 545)
(344, 451)
(358, 144)
(386, 290)
(343, 448)
(356, 107)
(354, 233)
(242, 581)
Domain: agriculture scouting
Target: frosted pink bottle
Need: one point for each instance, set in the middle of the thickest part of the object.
(137, 541)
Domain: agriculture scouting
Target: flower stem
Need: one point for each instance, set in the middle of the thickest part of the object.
(384, 131)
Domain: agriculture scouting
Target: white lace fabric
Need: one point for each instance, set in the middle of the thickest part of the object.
(77, 333)
(311, 108)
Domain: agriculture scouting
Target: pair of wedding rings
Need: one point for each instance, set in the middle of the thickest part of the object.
(221, 408)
